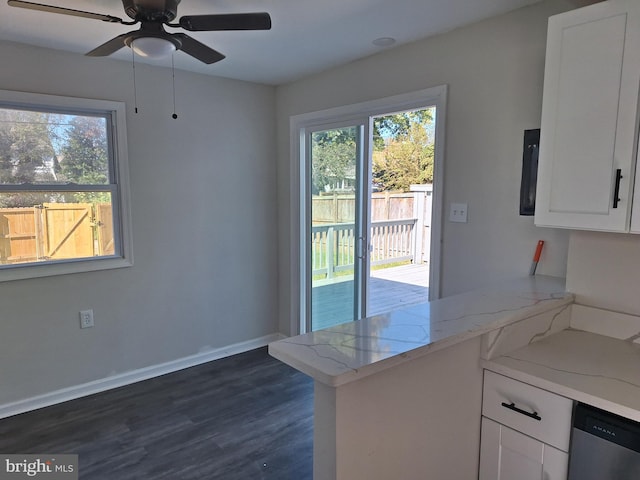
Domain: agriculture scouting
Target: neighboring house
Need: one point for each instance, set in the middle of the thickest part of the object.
(342, 184)
(46, 171)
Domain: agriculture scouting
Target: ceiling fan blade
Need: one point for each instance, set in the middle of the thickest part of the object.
(230, 21)
(198, 50)
(111, 46)
(66, 11)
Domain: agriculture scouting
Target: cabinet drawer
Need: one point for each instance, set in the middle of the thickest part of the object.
(530, 410)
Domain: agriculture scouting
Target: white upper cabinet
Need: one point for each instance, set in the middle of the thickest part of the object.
(588, 135)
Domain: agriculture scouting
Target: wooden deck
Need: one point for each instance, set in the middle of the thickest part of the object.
(389, 289)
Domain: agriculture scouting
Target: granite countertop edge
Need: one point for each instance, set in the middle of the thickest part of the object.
(334, 369)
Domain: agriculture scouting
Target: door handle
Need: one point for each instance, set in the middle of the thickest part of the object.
(360, 248)
(616, 189)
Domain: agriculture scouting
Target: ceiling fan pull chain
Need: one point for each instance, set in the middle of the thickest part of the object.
(135, 90)
(173, 79)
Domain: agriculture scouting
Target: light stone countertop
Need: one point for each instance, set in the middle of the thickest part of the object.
(351, 351)
(598, 370)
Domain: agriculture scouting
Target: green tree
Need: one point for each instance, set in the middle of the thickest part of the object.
(405, 160)
(85, 153)
(399, 125)
(85, 156)
(31, 147)
(26, 153)
(397, 163)
(333, 155)
(6, 167)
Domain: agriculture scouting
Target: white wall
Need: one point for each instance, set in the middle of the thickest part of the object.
(604, 270)
(203, 207)
(494, 70)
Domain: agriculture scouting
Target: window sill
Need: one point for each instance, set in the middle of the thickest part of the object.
(48, 269)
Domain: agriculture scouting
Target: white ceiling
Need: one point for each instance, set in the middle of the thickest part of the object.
(307, 35)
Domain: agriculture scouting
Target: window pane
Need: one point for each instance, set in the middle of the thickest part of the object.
(48, 226)
(334, 158)
(52, 148)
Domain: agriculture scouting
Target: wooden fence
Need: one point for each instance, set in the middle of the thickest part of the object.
(55, 231)
(400, 230)
(337, 208)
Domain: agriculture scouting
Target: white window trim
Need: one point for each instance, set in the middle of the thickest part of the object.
(117, 112)
(434, 96)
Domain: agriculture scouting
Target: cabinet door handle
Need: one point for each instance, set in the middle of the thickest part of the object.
(512, 406)
(616, 190)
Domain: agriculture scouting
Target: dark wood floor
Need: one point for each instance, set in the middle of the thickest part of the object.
(244, 417)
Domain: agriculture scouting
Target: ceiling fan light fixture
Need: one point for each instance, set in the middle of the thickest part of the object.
(153, 47)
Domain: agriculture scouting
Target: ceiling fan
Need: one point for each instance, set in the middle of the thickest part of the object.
(152, 40)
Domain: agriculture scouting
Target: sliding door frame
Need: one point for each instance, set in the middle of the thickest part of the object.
(361, 225)
(300, 125)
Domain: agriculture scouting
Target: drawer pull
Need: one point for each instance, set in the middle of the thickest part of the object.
(512, 406)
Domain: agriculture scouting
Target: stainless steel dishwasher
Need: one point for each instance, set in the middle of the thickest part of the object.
(604, 446)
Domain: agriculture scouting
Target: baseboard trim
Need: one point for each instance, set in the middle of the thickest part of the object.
(134, 376)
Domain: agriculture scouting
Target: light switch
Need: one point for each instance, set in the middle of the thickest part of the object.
(458, 213)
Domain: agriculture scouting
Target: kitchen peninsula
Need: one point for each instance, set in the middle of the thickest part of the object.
(400, 393)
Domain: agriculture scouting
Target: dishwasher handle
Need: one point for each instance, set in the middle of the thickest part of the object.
(512, 406)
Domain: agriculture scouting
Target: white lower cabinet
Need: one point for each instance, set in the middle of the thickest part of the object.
(506, 454)
(525, 431)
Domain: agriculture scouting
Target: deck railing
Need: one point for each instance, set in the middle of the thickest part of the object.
(333, 246)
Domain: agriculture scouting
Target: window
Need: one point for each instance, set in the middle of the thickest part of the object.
(63, 185)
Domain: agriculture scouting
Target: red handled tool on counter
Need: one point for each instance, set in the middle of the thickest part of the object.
(536, 257)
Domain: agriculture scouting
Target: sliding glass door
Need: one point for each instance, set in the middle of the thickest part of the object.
(335, 224)
(366, 204)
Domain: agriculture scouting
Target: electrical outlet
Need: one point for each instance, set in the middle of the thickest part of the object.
(458, 213)
(86, 319)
